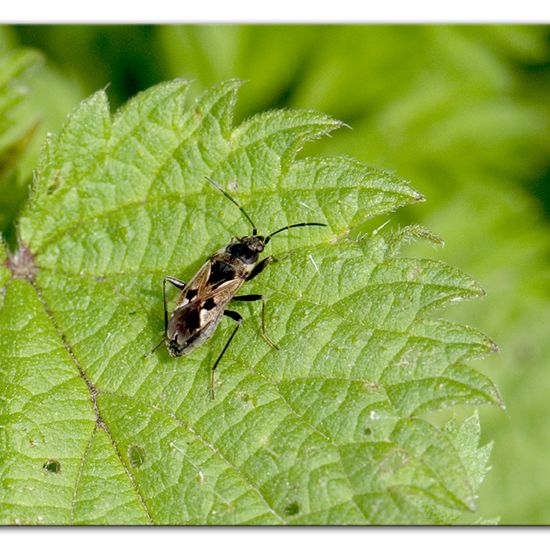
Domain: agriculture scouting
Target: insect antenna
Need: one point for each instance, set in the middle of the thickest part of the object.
(254, 230)
(303, 224)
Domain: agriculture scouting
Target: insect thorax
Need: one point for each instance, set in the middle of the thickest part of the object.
(246, 249)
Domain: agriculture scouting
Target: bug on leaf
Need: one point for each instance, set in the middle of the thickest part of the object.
(205, 298)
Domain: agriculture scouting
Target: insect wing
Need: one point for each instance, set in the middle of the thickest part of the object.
(199, 309)
(195, 288)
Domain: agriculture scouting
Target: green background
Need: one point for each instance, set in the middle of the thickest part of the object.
(461, 111)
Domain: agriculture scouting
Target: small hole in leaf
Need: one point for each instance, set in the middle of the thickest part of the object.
(248, 399)
(52, 466)
(136, 455)
(292, 509)
(54, 185)
(367, 431)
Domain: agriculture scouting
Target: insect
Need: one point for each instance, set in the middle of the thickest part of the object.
(204, 299)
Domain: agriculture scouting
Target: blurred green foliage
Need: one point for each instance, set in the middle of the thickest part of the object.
(462, 111)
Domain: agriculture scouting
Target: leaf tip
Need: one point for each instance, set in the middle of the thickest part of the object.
(415, 232)
(231, 84)
(493, 346)
(417, 197)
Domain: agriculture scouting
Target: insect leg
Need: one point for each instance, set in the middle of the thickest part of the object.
(155, 348)
(238, 318)
(247, 298)
(258, 268)
(254, 298)
(178, 284)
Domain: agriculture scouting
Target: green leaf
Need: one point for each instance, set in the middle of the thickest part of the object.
(14, 66)
(17, 126)
(274, 55)
(324, 430)
(419, 473)
(34, 100)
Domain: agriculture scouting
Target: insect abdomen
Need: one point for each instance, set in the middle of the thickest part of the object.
(186, 331)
